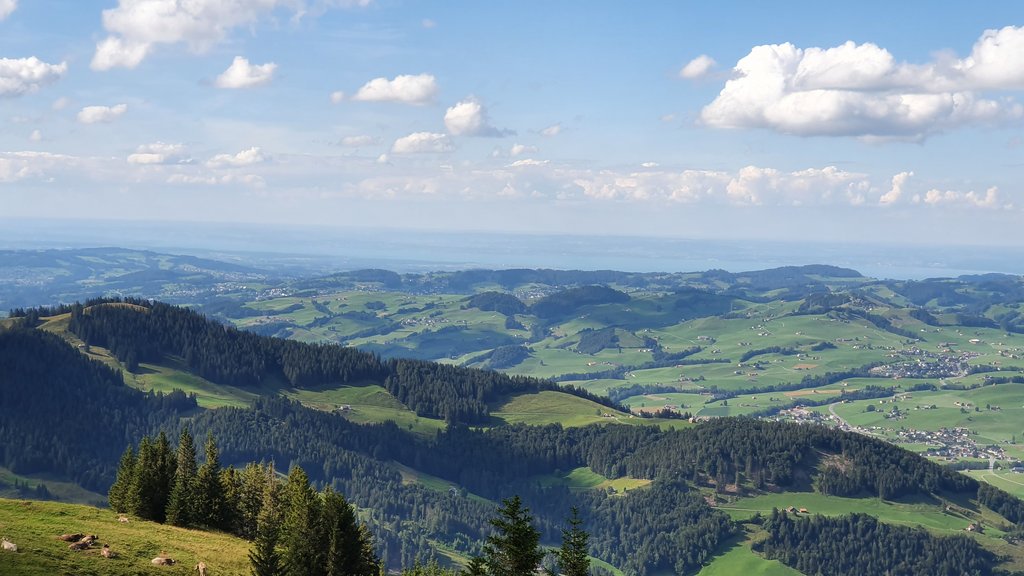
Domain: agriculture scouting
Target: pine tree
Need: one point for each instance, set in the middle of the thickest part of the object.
(264, 557)
(344, 552)
(163, 477)
(573, 559)
(252, 481)
(515, 549)
(231, 482)
(209, 493)
(144, 487)
(301, 539)
(180, 504)
(118, 494)
(477, 567)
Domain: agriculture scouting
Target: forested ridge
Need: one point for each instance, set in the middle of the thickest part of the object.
(142, 331)
(65, 414)
(860, 545)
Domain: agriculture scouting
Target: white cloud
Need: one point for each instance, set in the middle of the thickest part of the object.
(936, 197)
(428, 23)
(16, 166)
(861, 90)
(520, 149)
(528, 162)
(7, 7)
(135, 27)
(101, 114)
(407, 89)
(36, 136)
(899, 181)
(699, 67)
(553, 130)
(61, 103)
(159, 153)
(469, 118)
(20, 76)
(359, 141)
(420, 142)
(253, 180)
(337, 97)
(242, 74)
(246, 157)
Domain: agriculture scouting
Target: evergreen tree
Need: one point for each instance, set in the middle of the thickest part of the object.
(515, 549)
(301, 540)
(164, 476)
(144, 488)
(209, 493)
(118, 494)
(251, 484)
(344, 549)
(231, 482)
(477, 567)
(180, 504)
(264, 557)
(573, 559)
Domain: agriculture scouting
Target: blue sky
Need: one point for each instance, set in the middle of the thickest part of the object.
(870, 122)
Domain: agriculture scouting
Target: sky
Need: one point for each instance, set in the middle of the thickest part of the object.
(893, 123)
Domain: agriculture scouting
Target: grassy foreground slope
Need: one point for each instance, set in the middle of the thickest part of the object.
(34, 526)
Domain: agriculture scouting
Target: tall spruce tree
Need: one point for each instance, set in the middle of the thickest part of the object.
(118, 494)
(344, 550)
(144, 489)
(573, 559)
(301, 535)
(515, 549)
(180, 504)
(164, 477)
(264, 558)
(209, 492)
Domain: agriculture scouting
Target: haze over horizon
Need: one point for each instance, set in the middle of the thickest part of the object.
(874, 124)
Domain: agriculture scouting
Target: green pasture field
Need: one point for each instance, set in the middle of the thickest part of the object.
(60, 490)
(550, 407)
(927, 514)
(368, 404)
(584, 478)
(988, 426)
(1012, 482)
(34, 526)
(739, 559)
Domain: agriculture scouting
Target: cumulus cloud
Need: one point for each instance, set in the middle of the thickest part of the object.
(422, 142)
(899, 181)
(337, 97)
(246, 157)
(101, 114)
(520, 149)
(135, 27)
(862, 90)
(20, 76)
(551, 131)
(6, 7)
(936, 197)
(359, 141)
(159, 153)
(406, 89)
(16, 166)
(469, 118)
(61, 103)
(242, 74)
(36, 136)
(699, 67)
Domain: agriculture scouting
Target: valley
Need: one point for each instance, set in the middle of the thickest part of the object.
(673, 358)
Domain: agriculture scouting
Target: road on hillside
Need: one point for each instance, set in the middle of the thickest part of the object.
(832, 410)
